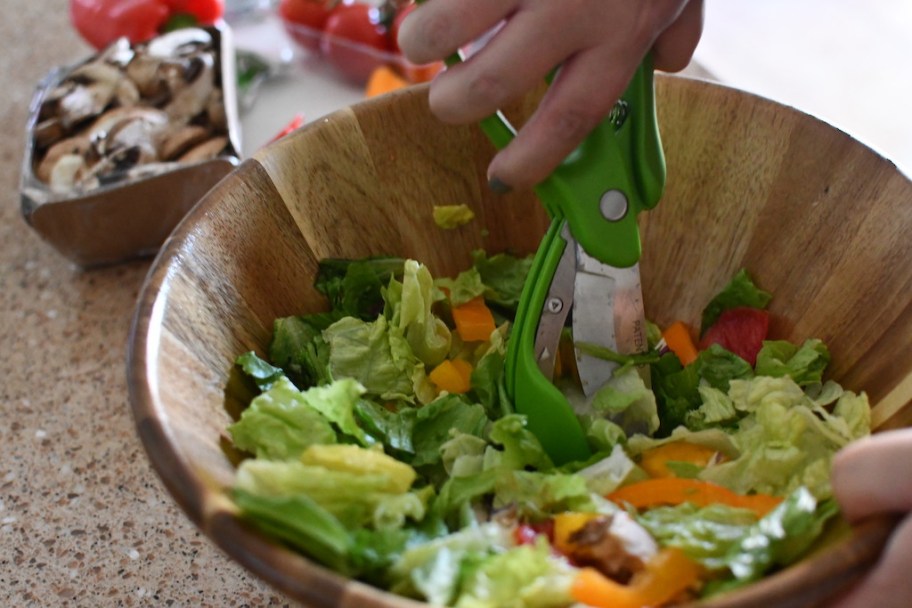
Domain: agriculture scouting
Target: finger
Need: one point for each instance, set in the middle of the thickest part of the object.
(570, 109)
(887, 585)
(435, 30)
(514, 61)
(869, 475)
(674, 47)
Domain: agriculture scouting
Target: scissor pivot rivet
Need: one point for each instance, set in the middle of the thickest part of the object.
(555, 305)
(613, 205)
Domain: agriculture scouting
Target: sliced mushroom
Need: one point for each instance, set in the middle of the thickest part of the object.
(72, 146)
(143, 71)
(180, 43)
(48, 132)
(193, 98)
(126, 94)
(177, 141)
(108, 121)
(205, 151)
(66, 172)
(96, 83)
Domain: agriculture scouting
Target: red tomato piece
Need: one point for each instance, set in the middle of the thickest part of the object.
(354, 41)
(101, 22)
(304, 20)
(525, 533)
(739, 330)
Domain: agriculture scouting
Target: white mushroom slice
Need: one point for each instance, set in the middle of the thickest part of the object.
(48, 132)
(143, 71)
(97, 72)
(84, 102)
(77, 146)
(205, 151)
(110, 119)
(193, 99)
(176, 141)
(126, 94)
(66, 172)
(181, 42)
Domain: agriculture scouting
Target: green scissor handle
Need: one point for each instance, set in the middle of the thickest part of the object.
(618, 171)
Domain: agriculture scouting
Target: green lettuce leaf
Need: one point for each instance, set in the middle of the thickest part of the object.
(805, 364)
(299, 349)
(436, 421)
(426, 334)
(280, 424)
(627, 401)
(372, 355)
(504, 276)
(528, 576)
(466, 286)
(353, 287)
(264, 374)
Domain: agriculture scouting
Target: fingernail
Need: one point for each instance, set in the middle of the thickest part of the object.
(498, 186)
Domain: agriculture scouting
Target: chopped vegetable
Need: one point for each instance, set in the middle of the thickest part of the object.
(453, 376)
(101, 22)
(452, 216)
(656, 460)
(675, 491)
(740, 330)
(677, 338)
(474, 320)
(383, 80)
(667, 576)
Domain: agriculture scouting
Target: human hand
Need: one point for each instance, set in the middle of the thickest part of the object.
(598, 43)
(872, 477)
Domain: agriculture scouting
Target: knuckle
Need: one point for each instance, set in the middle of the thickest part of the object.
(489, 88)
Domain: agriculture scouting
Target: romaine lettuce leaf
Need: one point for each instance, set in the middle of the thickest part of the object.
(353, 287)
(298, 348)
(628, 402)
(436, 421)
(426, 334)
(503, 276)
(528, 576)
(372, 355)
(466, 286)
(804, 364)
(280, 424)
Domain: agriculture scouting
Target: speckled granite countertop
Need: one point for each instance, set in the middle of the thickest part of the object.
(84, 521)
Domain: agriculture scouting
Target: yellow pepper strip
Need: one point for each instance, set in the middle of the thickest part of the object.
(674, 491)
(565, 524)
(667, 575)
(474, 320)
(655, 461)
(453, 376)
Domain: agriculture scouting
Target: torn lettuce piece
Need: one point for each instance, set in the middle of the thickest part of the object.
(436, 422)
(374, 356)
(452, 216)
(263, 373)
(503, 275)
(409, 309)
(805, 364)
(298, 347)
(628, 402)
(466, 286)
(281, 423)
(356, 491)
(354, 287)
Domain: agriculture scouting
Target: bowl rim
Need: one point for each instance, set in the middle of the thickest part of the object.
(309, 581)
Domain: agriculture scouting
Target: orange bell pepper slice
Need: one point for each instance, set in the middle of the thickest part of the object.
(655, 461)
(453, 376)
(474, 320)
(671, 491)
(679, 341)
(666, 576)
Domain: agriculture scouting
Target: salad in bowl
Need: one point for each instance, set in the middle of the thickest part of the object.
(382, 444)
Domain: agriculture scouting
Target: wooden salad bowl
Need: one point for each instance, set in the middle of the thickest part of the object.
(817, 218)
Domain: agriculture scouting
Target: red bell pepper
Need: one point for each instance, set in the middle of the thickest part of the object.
(101, 22)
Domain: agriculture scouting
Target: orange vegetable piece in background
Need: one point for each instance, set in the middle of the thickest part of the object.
(667, 575)
(453, 376)
(677, 337)
(655, 461)
(670, 491)
(474, 320)
(565, 524)
(383, 80)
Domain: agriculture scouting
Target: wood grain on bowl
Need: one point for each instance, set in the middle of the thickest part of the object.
(818, 219)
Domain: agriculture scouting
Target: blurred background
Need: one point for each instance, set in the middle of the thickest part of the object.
(844, 61)
(848, 62)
